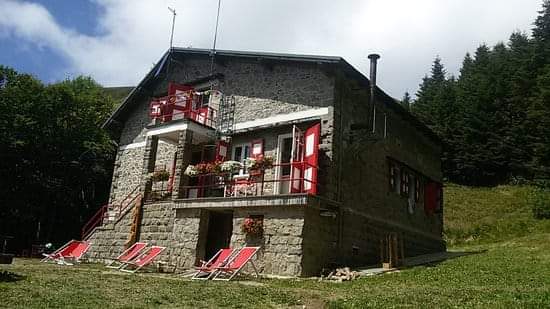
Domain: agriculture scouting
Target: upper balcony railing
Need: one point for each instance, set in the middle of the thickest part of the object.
(184, 105)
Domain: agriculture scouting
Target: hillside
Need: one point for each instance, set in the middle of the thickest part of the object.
(118, 93)
(483, 215)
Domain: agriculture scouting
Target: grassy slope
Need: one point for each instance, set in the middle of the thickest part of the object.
(483, 215)
(118, 93)
(509, 267)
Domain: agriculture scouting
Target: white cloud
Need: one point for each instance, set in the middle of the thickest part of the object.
(408, 34)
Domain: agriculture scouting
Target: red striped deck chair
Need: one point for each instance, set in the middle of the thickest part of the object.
(207, 269)
(236, 264)
(142, 260)
(71, 251)
(128, 255)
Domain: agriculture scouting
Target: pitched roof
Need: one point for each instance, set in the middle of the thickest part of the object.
(335, 60)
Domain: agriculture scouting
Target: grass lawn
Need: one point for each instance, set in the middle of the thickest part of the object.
(507, 271)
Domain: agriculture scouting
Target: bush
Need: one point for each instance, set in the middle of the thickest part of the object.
(540, 203)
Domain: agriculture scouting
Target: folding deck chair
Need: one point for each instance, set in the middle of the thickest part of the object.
(128, 255)
(236, 264)
(73, 250)
(209, 268)
(142, 260)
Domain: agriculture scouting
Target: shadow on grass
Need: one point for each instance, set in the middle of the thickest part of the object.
(432, 260)
(6, 276)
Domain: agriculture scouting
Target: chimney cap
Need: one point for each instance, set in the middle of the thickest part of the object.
(374, 56)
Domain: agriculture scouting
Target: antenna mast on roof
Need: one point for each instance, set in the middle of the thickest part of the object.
(173, 23)
(213, 52)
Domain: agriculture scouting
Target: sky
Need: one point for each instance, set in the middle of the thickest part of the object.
(118, 41)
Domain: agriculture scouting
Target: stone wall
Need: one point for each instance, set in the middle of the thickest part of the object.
(281, 251)
(260, 90)
(183, 233)
(108, 241)
(320, 244)
(364, 173)
(127, 173)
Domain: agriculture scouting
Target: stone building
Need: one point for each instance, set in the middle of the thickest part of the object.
(350, 165)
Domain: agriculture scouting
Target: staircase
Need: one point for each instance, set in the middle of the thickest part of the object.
(110, 213)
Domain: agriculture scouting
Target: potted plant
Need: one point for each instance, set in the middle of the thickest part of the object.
(253, 226)
(259, 164)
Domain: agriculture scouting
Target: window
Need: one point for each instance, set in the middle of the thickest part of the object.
(240, 154)
(286, 154)
(393, 177)
(417, 191)
(404, 182)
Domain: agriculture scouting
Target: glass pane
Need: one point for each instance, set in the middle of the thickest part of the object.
(286, 154)
(237, 156)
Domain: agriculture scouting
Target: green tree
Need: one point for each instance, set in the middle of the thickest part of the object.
(56, 159)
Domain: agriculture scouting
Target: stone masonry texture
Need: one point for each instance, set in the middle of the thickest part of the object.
(355, 208)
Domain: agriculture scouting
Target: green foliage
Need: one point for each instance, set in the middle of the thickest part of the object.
(540, 203)
(406, 101)
(56, 160)
(494, 118)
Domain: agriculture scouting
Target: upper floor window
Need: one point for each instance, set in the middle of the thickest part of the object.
(241, 152)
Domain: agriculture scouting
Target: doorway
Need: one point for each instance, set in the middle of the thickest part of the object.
(284, 157)
(220, 229)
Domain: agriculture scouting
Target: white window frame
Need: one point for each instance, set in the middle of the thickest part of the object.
(233, 152)
(279, 152)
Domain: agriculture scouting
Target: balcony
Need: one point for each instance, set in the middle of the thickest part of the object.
(247, 184)
(185, 102)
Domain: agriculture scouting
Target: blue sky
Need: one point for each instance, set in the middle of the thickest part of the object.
(118, 41)
(42, 61)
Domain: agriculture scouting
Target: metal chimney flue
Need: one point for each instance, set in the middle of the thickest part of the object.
(373, 67)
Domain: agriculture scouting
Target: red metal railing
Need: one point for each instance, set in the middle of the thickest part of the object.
(175, 107)
(99, 218)
(96, 220)
(128, 201)
(256, 182)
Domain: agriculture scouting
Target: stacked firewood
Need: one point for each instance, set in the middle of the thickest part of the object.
(342, 274)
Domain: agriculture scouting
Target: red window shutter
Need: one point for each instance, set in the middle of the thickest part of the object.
(311, 158)
(222, 148)
(257, 148)
(430, 198)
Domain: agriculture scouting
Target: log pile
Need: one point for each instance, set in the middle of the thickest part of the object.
(342, 274)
